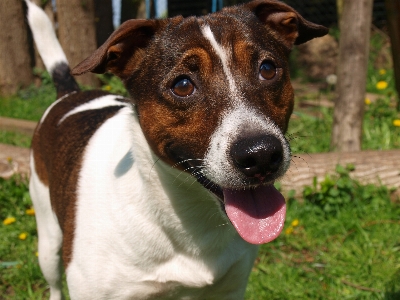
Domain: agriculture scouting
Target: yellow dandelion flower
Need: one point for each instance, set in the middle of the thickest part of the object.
(367, 101)
(30, 211)
(22, 236)
(381, 85)
(295, 223)
(289, 230)
(9, 220)
(37, 254)
(9, 159)
(107, 88)
(382, 72)
(396, 122)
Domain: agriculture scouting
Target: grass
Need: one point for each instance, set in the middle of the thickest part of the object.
(310, 130)
(15, 138)
(350, 251)
(30, 103)
(20, 276)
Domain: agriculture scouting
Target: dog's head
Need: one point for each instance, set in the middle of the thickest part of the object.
(214, 97)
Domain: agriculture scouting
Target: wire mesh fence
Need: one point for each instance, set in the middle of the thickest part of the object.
(322, 12)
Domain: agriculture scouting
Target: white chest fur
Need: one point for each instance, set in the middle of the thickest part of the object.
(143, 228)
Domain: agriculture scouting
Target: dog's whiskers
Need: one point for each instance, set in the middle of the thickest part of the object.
(188, 168)
(185, 161)
(302, 160)
(153, 166)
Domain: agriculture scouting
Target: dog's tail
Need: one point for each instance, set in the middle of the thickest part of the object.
(50, 50)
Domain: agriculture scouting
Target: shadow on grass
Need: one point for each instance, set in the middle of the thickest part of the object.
(393, 288)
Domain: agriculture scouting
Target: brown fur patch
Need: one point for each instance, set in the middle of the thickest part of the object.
(58, 151)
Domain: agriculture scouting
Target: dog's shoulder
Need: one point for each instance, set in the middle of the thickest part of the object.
(69, 123)
(73, 119)
(61, 139)
(80, 105)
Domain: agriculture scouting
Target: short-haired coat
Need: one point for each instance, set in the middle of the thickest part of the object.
(166, 194)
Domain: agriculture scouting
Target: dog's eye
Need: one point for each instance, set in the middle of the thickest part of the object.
(267, 71)
(183, 87)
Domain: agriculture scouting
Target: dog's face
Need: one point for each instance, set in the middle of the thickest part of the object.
(214, 97)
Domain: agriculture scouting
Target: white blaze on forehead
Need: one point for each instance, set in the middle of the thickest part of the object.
(239, 120)
(224, 55)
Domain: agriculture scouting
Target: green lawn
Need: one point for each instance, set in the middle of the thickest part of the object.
(30, 103)
(15, 138)
(349, 251)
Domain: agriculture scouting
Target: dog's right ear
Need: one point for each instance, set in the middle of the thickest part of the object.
(117, 54)
(288, 25)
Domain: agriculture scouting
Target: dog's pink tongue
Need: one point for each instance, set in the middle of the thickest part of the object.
(257, 214)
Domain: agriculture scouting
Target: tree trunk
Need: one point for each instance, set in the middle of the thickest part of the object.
(339, 8)
(132, 9)
(393, 17)
(15, 56)
(128, 10)
(141, 12)
(77, 33)
(352, 73)
(104, 20)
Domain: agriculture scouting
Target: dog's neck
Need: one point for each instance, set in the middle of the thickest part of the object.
(183, 207)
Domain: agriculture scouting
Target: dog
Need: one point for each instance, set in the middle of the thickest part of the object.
(166, 194)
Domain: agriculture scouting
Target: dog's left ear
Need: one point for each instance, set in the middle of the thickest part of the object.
(121, 50)
(290, 26)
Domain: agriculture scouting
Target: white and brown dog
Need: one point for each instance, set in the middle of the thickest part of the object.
(166, 195)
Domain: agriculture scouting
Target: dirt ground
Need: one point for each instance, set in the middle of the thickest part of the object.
(13, 160)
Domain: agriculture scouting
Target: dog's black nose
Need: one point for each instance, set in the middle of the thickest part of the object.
(257, 156)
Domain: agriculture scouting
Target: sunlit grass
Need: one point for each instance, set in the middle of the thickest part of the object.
(352, 252)
(15, 138)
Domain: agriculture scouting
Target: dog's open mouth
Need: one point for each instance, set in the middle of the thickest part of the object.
(257, 213)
